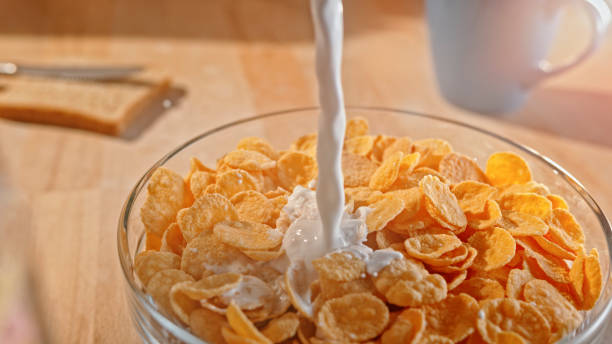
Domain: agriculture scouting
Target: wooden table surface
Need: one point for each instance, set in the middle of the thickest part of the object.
(62, 190)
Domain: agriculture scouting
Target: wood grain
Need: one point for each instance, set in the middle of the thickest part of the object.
(62, 189)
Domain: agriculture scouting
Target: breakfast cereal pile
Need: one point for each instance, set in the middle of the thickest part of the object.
(486, 256)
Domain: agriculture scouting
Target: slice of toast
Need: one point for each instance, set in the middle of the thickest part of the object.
(106, 107)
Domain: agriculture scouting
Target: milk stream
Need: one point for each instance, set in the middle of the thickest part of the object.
(324, 226)
(328, 24)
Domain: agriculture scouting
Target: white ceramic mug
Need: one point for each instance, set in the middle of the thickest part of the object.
(489, 53)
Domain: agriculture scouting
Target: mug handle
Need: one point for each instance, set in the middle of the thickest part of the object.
(599, 14)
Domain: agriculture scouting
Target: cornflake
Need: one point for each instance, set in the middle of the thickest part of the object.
(487, 254)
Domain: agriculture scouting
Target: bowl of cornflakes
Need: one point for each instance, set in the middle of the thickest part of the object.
(489, 240)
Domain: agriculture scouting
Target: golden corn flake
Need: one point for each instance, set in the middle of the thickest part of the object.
(359, 145)
(593, 279)
(196, 165)
(211, 286)
(306, 144)
(441, 204)
(257, 291)
(360, 196)
(331, 289)
(356, 126)
(562, 238)
(397, 270)
(258, 144)
(165, 197)
(339, 266)
(407, 328)
(412, 203)
(405, 225)
(432, 151)
(527, 203)
(522, 224)
(234, 181)
(279, 191)
(247, 160)
(279, 202)
(454, 279)
(274, 304)
(491, 216)
(267, 181)
(181, 304)
(282, 328)
(429, 245)
(553, 248)
(160, 284)
(499, 274)
(386, 174)
(385, 238)
(565, 221)
(255, 207)
(510, 315)
(204, 213)
(148, 263)
(243, 326)
(421, 172)
(495, 247)
(458, 168)
(454, 257)
(173, 240)
(207, 325)
(357, 170)
(529, 187)
(199, 181)
(417, 290)
(381, 143)
(473, 195)
(339, 319)
(517, 278)
(481, 288)
(402, 144)
(405, 178)
(295, 168)
(453, 318)
(560, 313)
(382, 212)
(558, 202)
(505, 168)
(529, 244)
(544, 267)
(206, 255)
(246, 235)
(461, 265)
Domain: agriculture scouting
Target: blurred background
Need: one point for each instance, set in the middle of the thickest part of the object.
(61, 189)
(187, 40)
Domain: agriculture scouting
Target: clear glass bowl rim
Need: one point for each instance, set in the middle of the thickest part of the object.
(122, 232)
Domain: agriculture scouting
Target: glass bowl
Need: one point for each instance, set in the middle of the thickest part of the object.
(282, 128)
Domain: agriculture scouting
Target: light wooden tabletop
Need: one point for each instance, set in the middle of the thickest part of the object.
(61, 190)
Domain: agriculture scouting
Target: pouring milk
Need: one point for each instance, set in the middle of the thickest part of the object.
(321, 227)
